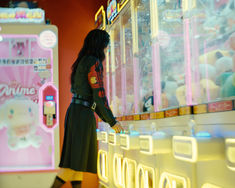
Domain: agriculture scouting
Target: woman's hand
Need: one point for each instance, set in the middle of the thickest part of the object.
(118, 128)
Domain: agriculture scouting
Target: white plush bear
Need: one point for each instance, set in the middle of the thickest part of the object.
(207, 71)
(20, 116)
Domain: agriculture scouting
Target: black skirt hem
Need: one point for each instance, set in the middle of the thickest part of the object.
(80, 170)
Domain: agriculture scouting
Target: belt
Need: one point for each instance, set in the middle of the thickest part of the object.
(84, 103)
(77, 96)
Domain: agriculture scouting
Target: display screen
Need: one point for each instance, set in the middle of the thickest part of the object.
(49, 98)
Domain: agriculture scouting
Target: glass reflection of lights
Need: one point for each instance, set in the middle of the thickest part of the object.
(129, 171)
(145, 177)
(102, 165)
(117, 169)
(168, 180)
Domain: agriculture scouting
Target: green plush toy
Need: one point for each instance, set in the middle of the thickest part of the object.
(228, 88)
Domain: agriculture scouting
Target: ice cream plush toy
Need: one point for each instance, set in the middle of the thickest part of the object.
(20, 116)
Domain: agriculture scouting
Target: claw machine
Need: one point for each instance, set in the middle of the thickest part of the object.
(119, 91)
(29, 105)
(175, 94)
(211, 37)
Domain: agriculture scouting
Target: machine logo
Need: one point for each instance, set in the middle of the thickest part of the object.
(6, 90)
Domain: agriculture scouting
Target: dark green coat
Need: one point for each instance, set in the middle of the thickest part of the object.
(80, 145)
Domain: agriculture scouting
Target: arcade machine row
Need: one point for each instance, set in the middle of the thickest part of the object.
(170, 81)
(29, 118)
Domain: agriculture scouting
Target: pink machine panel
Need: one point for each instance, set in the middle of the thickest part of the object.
(25, 70)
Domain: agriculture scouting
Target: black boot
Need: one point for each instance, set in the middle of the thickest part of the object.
(58, 182)
(76, 184)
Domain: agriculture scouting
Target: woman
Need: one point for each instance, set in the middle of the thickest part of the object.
(79, 153)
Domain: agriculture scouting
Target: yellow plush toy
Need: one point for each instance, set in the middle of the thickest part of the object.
(210, 90)
(212, 56)
(181, 95)
(196, 94)
(130, 104)
(116, 106)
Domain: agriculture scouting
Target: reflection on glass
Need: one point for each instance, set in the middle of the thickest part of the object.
(144, 57)
(107, 74)
(171, 43)
(128, 65)
(116, 103)
(110, 86)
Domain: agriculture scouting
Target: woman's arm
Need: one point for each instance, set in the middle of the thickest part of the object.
(96, 82)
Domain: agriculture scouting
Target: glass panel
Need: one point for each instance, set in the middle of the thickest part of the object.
(107, 83)
(116, 72)
(128, 65)
(171, 43)
(212, 37)
(144, 57)
(109, 88)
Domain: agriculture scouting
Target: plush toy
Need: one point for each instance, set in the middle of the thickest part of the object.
(224, 67)
(181, 95)
(212, 56)
(130, 104)
(232, 46)
(170, 91)
(146, 94)
(207, 71)
(224, 64)
(201, 92)
(232, 41)
(148, 104)
(210, 90)
(164, 101)
(196, 94)
(221, 79)
(227, 78)
(222, 20)
(228, 88)
(116, 106)
(20, 116)
(213, 24)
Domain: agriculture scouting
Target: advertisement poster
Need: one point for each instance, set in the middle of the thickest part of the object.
(25, 66)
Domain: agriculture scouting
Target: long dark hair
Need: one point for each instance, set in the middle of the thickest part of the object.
(94, 44)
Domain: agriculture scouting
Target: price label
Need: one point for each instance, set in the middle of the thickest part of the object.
(220, 106)
(200, 109)
(172, 112)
